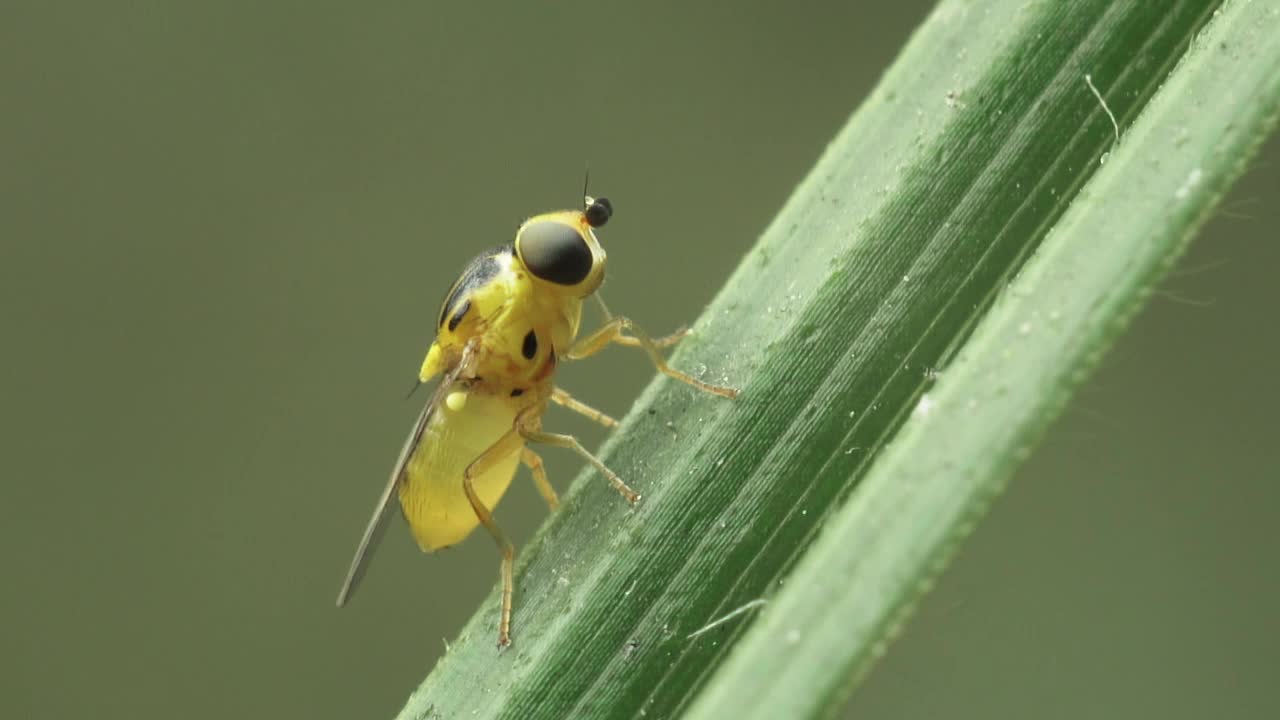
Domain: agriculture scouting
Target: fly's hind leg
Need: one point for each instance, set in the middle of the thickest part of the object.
(509, 442)
(611, 332)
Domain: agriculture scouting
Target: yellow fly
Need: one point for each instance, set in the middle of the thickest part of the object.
(506, 323)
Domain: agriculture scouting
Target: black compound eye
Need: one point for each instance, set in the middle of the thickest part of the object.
(599, 212)
(555, 252)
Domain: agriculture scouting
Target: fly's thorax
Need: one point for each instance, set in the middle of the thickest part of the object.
(524, 338)
(484, 286)
(554, 317)
(522, 302)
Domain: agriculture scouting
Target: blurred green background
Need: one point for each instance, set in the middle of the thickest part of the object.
(225, 229)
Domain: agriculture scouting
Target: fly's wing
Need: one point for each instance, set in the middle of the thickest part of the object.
(382, 511)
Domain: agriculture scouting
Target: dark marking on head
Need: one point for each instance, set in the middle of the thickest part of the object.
(530, 347)
(599, 212)
(555, 252)
(517, 392)
(479, 271)
(457, 317)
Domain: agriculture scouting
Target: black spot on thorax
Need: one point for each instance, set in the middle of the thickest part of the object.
(457, 317)
(530, 347)
(476, 274)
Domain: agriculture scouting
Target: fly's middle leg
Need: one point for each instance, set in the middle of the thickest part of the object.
(530, 431)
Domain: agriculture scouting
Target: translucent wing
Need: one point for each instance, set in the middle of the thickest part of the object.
(382, 511)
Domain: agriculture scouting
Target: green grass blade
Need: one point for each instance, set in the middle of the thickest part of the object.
(1122, 231)
(977, 141)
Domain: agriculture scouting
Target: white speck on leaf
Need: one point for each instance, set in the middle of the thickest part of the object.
(925, 406)
(1192, 180)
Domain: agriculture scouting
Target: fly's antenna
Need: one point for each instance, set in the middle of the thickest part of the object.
(597, 211)
(586, 181)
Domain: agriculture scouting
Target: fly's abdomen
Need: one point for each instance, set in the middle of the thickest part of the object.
(432, 494)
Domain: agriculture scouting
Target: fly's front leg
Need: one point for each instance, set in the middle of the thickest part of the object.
(662, 342)
(509, 442)
(611, 332)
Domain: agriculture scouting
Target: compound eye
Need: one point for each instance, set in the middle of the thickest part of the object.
(555, 252)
